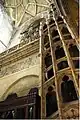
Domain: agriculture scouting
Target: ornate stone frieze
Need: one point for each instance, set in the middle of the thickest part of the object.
(20, 65)
(71, 111)
(18, 54)
(71, 114)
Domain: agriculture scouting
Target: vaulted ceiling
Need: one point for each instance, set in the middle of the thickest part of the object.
(22, 10)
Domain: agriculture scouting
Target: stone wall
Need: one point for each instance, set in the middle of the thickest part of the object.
(19, 76)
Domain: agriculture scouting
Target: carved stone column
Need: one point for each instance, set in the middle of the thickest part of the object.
(41, 76)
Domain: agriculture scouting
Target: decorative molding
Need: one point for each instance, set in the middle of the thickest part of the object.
(71, 111)
(71, 114)
(20, 65)
(24, 51)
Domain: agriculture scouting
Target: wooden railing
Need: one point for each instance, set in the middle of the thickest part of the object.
(28, 106)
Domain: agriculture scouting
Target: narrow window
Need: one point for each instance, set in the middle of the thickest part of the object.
(74, 52)
(68, 90)
(59, 52)
(64, 30)
(51, 102)
(62, 65)
(55, 33)
(48, 60)
(50, 73)
(76, 64)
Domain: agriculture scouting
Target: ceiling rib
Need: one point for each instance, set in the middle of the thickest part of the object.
(24, 8)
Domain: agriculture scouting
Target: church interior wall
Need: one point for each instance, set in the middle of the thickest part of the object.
(16, 72)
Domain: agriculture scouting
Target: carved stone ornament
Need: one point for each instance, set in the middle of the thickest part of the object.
(71, 114)
(20, 65)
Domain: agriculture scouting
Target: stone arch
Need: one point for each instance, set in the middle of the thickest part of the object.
(59, 79)
(68, 89)
(15, 88)
(30, 22)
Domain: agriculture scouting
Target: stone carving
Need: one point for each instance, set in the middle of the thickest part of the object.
(71, 114)
(20, 65)
(30, 34)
